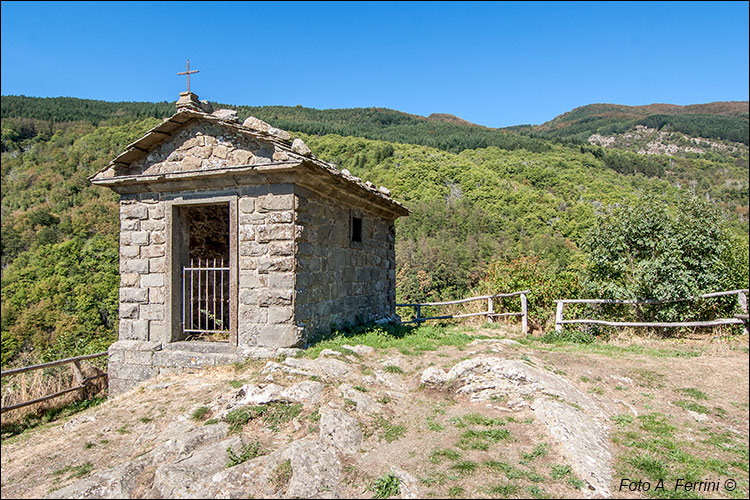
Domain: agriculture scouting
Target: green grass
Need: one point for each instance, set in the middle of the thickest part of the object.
(400, 337)
(199, 413)
(360, 388)
(386, 486)
(393, 369)
(477, 419)
(77, 471)
(236, 384)
(273, 415)
(248, 451)
(560, 471)
(123, 430)
(601, 347)
(438, 454)
(10, 431)
(281, 475)
(692, 406)
(540, 450)
(504, 490)
(433, 425)
(465, 467)
(456, 492)
(507, 469)
(481, 439)
(693, 393)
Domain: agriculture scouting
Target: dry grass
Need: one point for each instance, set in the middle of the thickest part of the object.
(35, 384)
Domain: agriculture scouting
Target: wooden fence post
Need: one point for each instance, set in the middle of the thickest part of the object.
(419, 314)
(78, 377)
(559, 316)
(524, 315)
(490, 310)
(742, 301)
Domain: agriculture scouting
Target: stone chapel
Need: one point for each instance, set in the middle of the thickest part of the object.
(236, 241)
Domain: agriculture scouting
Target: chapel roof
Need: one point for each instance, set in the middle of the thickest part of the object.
(288, 153)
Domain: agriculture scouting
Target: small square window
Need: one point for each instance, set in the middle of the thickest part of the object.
(356, 229)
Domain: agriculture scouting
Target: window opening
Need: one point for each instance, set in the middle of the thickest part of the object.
(205, 275)
(357, 229)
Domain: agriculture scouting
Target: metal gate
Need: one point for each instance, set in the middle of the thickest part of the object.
(205, 299)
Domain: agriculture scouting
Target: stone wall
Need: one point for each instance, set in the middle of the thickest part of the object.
(266, 266)
(340, 282)
(143, 268)
(204, 146)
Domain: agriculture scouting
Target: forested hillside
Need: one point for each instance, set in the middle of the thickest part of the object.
(480, 199)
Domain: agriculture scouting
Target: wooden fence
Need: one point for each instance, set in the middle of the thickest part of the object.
(81, 381)
(490, 312)
(738, 319)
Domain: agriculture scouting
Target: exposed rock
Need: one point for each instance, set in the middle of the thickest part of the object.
(384, 190)
(251, 394)
(315, 469)
(305, 392)
(186, 478)
(116, 482)
(362, 350)
(408, 484)
(229, 115)
(584, 441)
(339, 429)
(346, 172)
(77, 421)
(299, 147)
(365, 404)
(329, 352)
(433, 376)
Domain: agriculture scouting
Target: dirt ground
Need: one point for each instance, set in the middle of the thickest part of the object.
(696, 390)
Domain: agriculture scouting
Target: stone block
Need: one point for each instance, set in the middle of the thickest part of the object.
(130, 251)
(135, 211)
(157, 265)
(252, 315)
(247, 232)
(252, 249)
(248, 263)
(158, 237)
(281, 280)
(281, 248)
(152, 280)
(134, 295)
(278, 314)
(153, 251)
(252, 280)
(129, 279)
(247, 205)
(139, 266)
(129, 310)
(248, 296)
(254, 218)
(130, 225)
(156, 211)
(156, 295)
(191, 163)
(275, 202)
(153, 225)
(139, 238)
(280, 217)
(275, 264)
(275, 297)
(152, 312)
(283, 335)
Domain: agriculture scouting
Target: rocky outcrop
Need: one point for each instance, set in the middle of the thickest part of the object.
(572, 418)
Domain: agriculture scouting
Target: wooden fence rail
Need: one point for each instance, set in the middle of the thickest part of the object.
(83, 382)
(490, 313)
(738, 319)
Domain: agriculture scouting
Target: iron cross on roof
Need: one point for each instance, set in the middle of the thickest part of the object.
(188, 73)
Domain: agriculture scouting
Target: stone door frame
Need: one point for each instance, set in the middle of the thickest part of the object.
(175, 233)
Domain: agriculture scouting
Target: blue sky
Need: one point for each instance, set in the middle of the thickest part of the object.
(496, 64)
